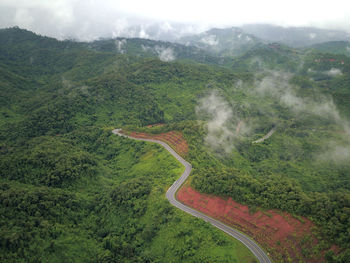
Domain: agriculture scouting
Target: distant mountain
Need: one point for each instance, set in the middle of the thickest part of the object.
(163, 31)
(295, 36)
(333, 47)
(39, 48)
(272, 56)
(146, 48)
(224, 42)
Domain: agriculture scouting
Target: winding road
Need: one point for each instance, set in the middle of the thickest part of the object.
(268, 135)
(171, 196)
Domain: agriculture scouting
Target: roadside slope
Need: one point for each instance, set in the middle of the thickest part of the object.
(170, 194)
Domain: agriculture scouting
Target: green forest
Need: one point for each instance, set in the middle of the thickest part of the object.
(71, 191)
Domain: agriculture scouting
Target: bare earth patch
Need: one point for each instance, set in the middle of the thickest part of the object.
(173, 138)
(287, 238)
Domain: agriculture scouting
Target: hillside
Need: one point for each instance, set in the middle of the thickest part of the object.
(230, 42)
(72, 190)
(146, 48)
(295, 36)
(333, 47)
(83, 194)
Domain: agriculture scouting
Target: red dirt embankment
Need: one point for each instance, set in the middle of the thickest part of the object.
(285, 237)
(173, 138)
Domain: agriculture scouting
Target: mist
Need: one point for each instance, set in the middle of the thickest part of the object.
(165, 54)
(333, 72)
(276, 85)
(223, 124)
(91, 20)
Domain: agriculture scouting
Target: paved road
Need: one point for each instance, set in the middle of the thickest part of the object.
(170, 195)
(268, 135)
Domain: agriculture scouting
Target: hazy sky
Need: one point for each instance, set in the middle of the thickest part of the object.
(90, 19)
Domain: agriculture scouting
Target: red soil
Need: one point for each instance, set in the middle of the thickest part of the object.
(278, 232)
(173, 138)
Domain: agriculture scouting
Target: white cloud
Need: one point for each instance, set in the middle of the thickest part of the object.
(120, 45)
(145, 48)
(224, 125)
(333, 72)
(91, 19)
(143, 33)
(220, 134)
(312, 35)
(276, 85)
(165, 54)
(23, 18)
(210, 40)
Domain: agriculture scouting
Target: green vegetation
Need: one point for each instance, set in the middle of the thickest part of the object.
(333, 47)
(73, 191)
(118, 212)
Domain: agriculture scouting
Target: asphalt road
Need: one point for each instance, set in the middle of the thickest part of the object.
(268, 135)
(170, 195)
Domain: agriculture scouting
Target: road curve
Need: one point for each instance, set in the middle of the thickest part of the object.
(268, 135)
(171, 196)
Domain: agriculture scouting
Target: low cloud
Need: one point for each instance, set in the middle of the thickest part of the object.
(145, 48)
(165, 54)
(120, 45)
(335, 153)
(312, 35)
(333, 72)
(276, 85)
(88, 20)
(338, 151)
(210, 40)
(223, 126)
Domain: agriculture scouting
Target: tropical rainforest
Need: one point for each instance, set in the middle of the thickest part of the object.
(71, 191)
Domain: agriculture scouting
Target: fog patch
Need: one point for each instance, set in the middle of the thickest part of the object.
(336, 153)
(312, 35)
(120, 45)
(143, 33)
(210, 40)
(223, 126)
(165, 54)
(333, 72)
(277, 86)
(220, 133)
(145, 48)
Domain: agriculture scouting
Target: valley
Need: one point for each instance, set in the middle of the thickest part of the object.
(73, 191)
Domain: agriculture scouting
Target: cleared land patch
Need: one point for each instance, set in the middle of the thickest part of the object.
(286, 237)
(173, 138)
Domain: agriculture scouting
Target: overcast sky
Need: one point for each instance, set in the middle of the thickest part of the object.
(91, 19)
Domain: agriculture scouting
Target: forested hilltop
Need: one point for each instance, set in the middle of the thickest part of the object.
(73, 191)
